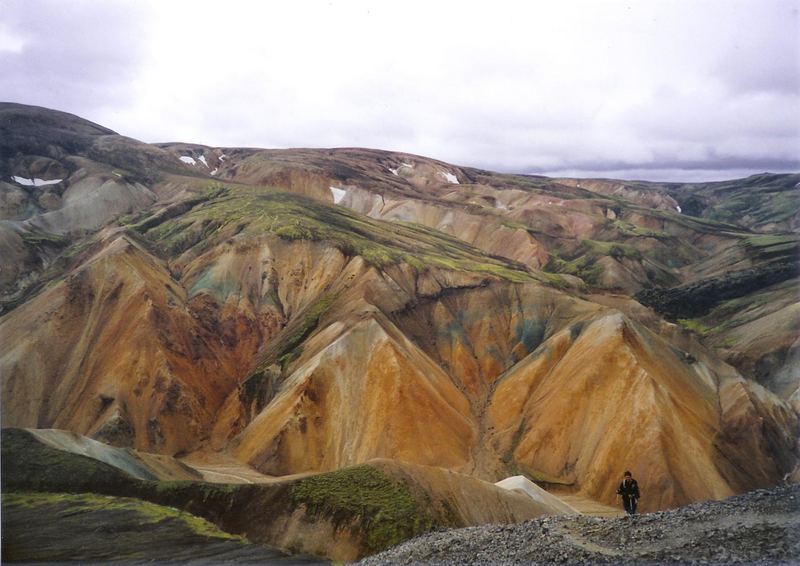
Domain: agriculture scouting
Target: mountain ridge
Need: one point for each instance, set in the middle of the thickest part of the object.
(307, 310)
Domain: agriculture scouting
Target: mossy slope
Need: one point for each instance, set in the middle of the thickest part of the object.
(259, 212)
(62, 527)
(363, 492)
(361, 505)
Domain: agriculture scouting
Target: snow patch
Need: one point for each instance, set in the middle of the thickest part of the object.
(214, 172)
(202, 158)
(338, 194)
(395, 171)
(188, 160)
(449, 177)
(678, 208)
(222, 157)
(36, 182)
(499, 205)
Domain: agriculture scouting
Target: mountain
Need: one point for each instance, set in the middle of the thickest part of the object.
(310, 310)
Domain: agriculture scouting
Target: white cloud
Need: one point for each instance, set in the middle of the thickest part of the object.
(514, 86)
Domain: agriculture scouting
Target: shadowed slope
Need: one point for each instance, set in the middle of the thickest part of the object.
(345, 514)
(63, 528)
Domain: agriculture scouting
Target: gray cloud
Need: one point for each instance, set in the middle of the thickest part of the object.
(764, 55)
(712, 164)
(676, 85)
(78, 55)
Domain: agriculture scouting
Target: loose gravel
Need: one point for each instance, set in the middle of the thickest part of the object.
(760, 527)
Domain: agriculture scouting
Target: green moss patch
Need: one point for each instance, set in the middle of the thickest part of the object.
(585, 267)
(362, 503)
(385, 507)
(310, 320)
(628, 229)
(582, 261)
(255, 212)
(89, 528)
(283, 350)
(694, 326)
(144, 513)
(38, 239)
(773, 246)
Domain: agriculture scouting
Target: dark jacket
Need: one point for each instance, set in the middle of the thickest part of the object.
(628, 488)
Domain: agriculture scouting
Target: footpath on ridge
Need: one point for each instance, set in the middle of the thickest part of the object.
(759, 527)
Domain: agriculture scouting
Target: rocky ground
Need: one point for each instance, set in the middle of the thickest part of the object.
(760, 527)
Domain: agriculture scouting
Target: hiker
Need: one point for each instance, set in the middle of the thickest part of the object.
(629, 490)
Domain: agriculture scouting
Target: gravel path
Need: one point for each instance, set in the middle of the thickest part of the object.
(760, 527)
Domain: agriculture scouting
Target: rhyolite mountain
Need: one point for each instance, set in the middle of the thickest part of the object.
(307, 310)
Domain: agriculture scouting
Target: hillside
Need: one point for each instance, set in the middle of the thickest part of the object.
(306, 311)
(343, 515)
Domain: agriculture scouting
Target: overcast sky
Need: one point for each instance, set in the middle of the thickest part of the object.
(662, 90)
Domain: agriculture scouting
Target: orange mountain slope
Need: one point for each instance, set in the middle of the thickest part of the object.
(309, 310)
